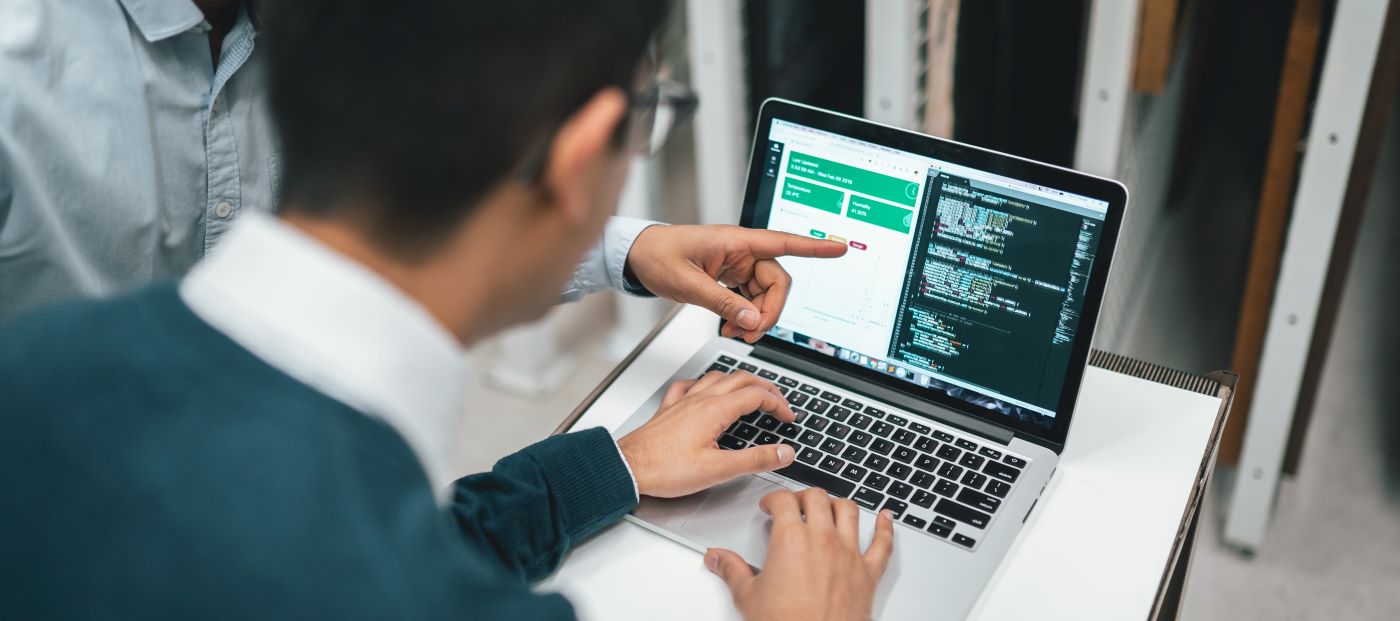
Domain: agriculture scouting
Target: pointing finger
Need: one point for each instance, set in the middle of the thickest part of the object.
(772, 244)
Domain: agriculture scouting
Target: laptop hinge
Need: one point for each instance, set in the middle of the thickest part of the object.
(873, 390)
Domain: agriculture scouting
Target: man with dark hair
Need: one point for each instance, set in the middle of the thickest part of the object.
(271, 437)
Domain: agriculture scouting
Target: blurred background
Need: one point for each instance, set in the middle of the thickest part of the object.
(1260, 143)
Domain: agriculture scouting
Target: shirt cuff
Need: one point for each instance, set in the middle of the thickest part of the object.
(603, 266)
(636, 491)
(617, 243)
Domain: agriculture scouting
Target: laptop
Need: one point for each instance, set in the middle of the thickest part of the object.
(933, 368)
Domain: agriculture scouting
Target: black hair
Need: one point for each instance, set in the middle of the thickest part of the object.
(409, 111)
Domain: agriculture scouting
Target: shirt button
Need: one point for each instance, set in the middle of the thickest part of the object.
(223, 209)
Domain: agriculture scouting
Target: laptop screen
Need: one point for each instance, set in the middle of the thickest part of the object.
(955, 279)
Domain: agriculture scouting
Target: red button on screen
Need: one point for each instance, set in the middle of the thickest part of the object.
(857, 245)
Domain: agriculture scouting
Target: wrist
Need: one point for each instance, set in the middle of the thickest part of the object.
(639, 256)
(636, 490)
(632, 458)
(633, 285)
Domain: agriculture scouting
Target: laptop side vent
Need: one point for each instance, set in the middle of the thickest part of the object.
(1154, 372)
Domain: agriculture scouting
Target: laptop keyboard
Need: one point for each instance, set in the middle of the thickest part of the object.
(938, 481)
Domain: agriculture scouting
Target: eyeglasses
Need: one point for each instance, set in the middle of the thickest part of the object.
(653, 116)
(656, 112)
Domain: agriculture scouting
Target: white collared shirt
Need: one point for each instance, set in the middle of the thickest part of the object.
(338, 327)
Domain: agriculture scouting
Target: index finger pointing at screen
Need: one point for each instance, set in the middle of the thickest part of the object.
(771, 244)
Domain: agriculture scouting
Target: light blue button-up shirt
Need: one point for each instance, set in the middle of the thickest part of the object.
(124, 153)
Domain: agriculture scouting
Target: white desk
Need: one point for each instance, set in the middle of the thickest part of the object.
(1110, 540)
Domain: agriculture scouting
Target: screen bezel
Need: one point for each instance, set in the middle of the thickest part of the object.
(974, 157)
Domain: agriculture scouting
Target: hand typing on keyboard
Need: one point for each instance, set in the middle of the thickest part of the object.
(815, 569)
(675, 452)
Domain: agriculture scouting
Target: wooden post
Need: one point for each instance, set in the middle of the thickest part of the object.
(1290, 112)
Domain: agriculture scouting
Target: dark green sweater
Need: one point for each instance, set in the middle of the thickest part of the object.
(152, 468)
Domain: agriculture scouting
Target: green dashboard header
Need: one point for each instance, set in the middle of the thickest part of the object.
(855, 179)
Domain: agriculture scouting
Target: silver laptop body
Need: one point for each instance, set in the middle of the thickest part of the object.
(934, 367)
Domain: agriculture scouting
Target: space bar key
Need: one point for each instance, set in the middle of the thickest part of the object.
(802, 473)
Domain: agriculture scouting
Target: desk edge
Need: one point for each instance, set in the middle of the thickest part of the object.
(1171, 589)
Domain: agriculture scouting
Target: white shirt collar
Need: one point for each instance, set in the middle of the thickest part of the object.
(339, 328)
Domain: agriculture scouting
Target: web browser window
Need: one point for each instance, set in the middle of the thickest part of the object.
(954, 279)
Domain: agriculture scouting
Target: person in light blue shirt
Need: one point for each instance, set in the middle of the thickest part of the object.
(132, 134)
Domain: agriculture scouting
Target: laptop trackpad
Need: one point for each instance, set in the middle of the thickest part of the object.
(726, 516)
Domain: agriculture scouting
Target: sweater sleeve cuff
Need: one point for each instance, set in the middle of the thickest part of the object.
(588, 478)
(636, 491)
